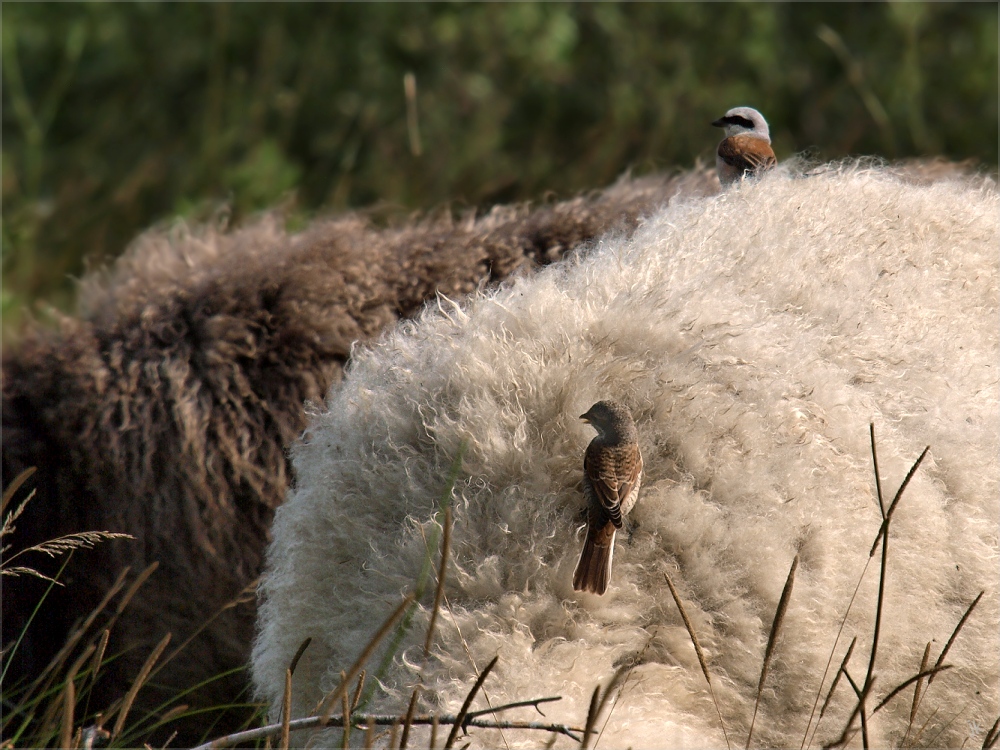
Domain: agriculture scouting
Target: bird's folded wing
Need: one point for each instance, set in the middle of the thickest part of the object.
(747, 154)
(613, 477)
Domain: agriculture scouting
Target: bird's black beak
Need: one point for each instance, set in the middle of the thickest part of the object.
(720, 123)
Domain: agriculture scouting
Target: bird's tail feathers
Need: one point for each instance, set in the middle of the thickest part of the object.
(593, 572)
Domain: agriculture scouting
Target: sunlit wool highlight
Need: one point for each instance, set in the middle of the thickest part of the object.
(753, 336)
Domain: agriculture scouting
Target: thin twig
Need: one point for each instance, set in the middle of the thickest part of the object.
(314, 722)
(518, 704)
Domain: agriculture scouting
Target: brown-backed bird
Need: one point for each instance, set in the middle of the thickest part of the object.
(612, 472)
(746, 149)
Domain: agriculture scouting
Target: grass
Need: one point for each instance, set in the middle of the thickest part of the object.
(54, 710)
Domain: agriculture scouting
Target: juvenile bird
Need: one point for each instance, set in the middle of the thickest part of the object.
(612, 472)
(746, 149)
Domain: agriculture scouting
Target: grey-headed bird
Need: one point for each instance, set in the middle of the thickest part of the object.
(746, 149)
(612, 472)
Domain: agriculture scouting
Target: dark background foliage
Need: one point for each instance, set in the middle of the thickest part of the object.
(118, 115)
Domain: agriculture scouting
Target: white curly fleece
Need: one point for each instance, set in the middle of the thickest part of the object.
(754, 335)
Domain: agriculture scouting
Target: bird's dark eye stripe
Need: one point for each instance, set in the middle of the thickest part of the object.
(741, 121)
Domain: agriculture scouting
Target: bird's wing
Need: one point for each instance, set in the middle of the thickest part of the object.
(614, 474)
(747, 154)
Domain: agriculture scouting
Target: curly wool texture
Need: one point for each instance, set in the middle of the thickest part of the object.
(164, 409)
(754, 335)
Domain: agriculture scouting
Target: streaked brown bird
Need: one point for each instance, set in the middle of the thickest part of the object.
(612, 472)
(746, 150)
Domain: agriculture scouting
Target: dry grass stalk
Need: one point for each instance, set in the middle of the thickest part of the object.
(12, 488)
(393, 734)
(849, 731)
(69, 700)
(54, 547)
(345, 710)
(916, 693)
(44, 681)
(331, 700)
(878, 476)
(698, 651)
(434, 733)
(588, 729)
(131, 590)
(906, 683)
(370, 736)
(137, 684)
(298, 654)
(439, 591)
(409, 719)
(286, 711)
(836, 679)
(819, 690)
(883, 535)
(98, 660)
(933, 741)
(990, 740)
(597, 703)
(173, 713)
(357, 690)
(240, 598)
(460, 720)
(895, 500)
(954, 635)
(772, 639)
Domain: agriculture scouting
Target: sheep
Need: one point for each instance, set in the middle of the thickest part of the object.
(754, 335)
(164, 408)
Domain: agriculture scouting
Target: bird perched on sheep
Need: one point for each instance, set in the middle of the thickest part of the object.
(612, 475)
(165, 407)
(746, 150)
(753, 335)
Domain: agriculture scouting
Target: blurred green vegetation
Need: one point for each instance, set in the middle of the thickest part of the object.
(117, 115)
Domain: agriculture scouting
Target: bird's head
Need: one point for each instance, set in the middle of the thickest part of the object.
(744, 120)
(610, 418)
